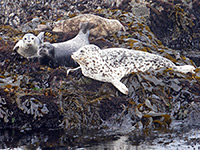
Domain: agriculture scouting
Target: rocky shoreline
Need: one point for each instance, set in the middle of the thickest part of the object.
(34, 96)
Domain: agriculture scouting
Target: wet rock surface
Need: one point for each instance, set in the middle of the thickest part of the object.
(176, 24)
(36, 97)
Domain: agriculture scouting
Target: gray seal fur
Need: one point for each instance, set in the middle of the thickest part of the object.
(59, 54)
(112, 64)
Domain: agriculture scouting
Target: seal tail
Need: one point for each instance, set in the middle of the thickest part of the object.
(185, 68)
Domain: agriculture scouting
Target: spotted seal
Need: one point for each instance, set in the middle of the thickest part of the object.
(29, 44)
(112, 64)
(59, 54)
(103, 26)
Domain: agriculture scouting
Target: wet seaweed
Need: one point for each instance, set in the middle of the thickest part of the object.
(175, 23)
(5, 113)
(48, 97)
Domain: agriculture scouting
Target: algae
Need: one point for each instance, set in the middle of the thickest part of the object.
(82, 103)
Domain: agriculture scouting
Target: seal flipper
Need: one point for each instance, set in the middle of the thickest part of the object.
(40, 36)
(72, 70)
(120, 86)
(18, 45)
(16, 48)
(185, 68)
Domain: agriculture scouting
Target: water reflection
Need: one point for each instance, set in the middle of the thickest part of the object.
(93, 140)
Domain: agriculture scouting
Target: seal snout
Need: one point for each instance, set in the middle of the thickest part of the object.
(29, 43)
(42, 51)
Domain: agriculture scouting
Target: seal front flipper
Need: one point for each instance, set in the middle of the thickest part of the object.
(16, 48)
(72, 70)
(18, 45)
(120, 86)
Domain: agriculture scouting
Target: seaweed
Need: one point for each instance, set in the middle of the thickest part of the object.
(48, 97)
(175, 23)
(5, 113)
(33, 107)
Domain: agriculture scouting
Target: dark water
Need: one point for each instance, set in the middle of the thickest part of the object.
(176, 138)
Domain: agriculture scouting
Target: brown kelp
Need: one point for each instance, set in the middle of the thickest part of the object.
(39, 96)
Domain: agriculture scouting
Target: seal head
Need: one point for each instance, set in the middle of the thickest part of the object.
(46, 54)
(29, 44)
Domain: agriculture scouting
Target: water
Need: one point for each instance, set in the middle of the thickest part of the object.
(178, 139)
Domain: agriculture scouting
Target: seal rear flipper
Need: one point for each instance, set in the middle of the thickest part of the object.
(120, 86)
(40, 36)
(185, 69)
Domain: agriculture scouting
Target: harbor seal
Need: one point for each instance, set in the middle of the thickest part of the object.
(103, 26)
(29, 44)
(59, 54)
(112, 64)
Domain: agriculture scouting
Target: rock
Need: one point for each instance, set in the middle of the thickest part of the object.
(41, 27)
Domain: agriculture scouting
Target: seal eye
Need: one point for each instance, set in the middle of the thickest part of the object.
(81, 51)
(24, 38)
(32, 38)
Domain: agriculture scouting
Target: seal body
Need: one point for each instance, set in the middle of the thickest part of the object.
(112, 64)
(28, 46)
(103, 26)
(59, 54)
